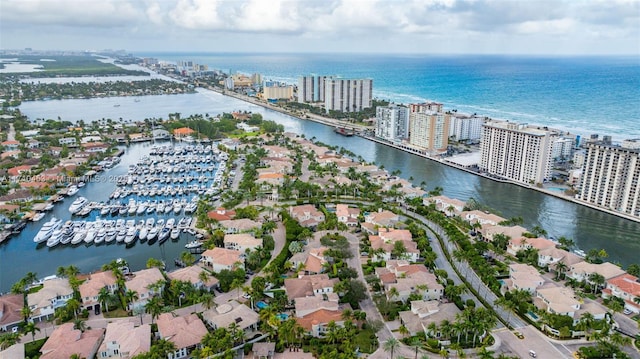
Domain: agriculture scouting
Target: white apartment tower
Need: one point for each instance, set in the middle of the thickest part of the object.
(392, 122)
(611, 176)
(429, 130)
(347, 95)
(516, 151)
(311, 89)
(465, 127)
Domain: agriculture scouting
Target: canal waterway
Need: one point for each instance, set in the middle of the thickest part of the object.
(588, 227)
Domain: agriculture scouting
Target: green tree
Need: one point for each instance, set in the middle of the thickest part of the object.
(31, 327)
(154, 307)
(391, 345)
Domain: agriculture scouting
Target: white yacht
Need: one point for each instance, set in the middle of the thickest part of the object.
(55, 238)
(131, 235)
(77, 205)
(175, 233)
(38, 216)
(71, 190)
(47, 229)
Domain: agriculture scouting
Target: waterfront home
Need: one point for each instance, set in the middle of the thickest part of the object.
(382, 218)
(123, 340)
(516, 245)
(55, 293)
(315, 324)
(193, 275)
(241, 242)
(625, 287)
(347, 215)
(90, 289)
(423, 312)
(232, 312)
(182, 132)
(488, 231)
(583, 270)
(66, 341)
(14, 154)
(90, 138)
(383, 245)
(308, 305)
(275, 165)
(404, 187)
(32, 144)
(19, 170)
(221, 214)
(185, 332)
(266, 179)
(10, 311)
(263, 350)
(232, 226)
(481, 218)
(69, 141)
(309, 285)
(94, 147)
(522, 277)
(221, 258)
(557, 300)
(146, 283)
(307, 215)
(22, 195)
(449, 206)
(552, 256)
(277, 151)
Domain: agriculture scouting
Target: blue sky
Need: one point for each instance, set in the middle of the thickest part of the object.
(378, 26)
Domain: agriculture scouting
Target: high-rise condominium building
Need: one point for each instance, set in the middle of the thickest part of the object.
(311, 88)
(465, 127)
(392, 122)
(611, 176)
(516, 151)
(347, 95)
(429, 130)
(426, 107)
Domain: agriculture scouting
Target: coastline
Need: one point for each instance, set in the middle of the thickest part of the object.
(335, 123)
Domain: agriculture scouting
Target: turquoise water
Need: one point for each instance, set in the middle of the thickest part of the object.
(261, 305)
(533, 315)
(283, 316)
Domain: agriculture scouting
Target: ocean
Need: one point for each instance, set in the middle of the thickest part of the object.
(584, 95)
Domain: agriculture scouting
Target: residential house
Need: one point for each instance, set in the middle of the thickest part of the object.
(383, 244)
(583, 270)
(347, 215)
(522, 277)
(31, 144)
(481, 218)
(424, 312)
(267, 179)
(193, 274)
(308, 305)
(10, 311)
(315, 324)
(146, 283)
(90, 138)
(307, 215)
(625, 287)
(13, 154)
(124, 340)
(19, 170)
(54, 294)
(65, 341)
(523, 243)
(263, 350)
(185, 332)
(10, 145)
(420, 283)
(382, 218)
(221, 214)
(488, 231)
(94, 147)
(232, 312)
(309, 285)
(242, 242)
(552, 256)
(232, 226)
(221, 258)
(182, 132)
(449, 206)
(558, 300)
(90, 289)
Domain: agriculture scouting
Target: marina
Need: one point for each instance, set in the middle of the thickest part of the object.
(151, 216)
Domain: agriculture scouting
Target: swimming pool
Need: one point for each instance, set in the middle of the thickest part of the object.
(261, 305)
(283, 316)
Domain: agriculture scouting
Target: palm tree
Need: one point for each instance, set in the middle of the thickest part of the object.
(204, 277)
(403, 330)
(80, 325)
(73, 305)
(393, 292)
(561, 267)
(8, 339)
(597, 280)
(130, 297)
(154, 307)
(104, 297)
(31, 328)
(416, 344)
(25, 312)
(187, 258)
(390, 345)
(207, 300)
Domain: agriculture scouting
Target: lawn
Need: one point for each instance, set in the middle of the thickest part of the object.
(32, 349)
(115, 313)
(366, 340)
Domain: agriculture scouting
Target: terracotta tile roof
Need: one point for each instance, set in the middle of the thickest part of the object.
(242, 224)
(184, 332)
(626, 283)
(321, 316)
(183, 131)
(52, 288)
(221, 214)
(10, 307)
(91, 287)
(304, 286)
(132, 340)
(66, 341)
(143, 279)
(231, 312)
(223, 256)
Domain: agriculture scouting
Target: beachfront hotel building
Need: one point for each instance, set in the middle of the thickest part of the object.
(273, 90)
(611, 176)
(311, 88)
(517, 151)
(426, 107)
(429, 131)
(392, 122)
(347, 95)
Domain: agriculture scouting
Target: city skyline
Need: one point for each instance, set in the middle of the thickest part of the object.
(441, 26)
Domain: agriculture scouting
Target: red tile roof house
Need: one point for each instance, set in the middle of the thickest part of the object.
(307, 215)
(10, 307)
(185, 333)
(221, 214)
(625, 287)
(66, 341)
(19, 170)
(182, 132)
(143, 283)
(221, 258)
(11, 145)
(123, 340)
(90, 289)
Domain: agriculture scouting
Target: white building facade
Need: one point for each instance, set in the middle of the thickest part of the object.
(347, 95)
(465, 128)
(392, 122)
(516, 151)
(429, 130)
(311, 88)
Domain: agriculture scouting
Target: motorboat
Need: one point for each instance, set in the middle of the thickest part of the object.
(100, 235)
(67, 234)
(191, 207)
(122, 234)
(55, 238)
(111, 235)
(175, 233)
(77, 205)
(144, 231)
(142, 207)
(72, 190)
(78, 236)
(105, 210)
(193, 244)
(84, 211)
(164, 234)
(177, 207)
(38, 216)
(171, 222)
(91, 235)
(153, 232)
(47, 229)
